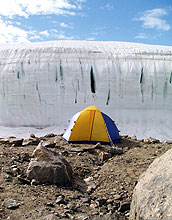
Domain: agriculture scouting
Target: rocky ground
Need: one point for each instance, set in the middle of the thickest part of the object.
(103, 181)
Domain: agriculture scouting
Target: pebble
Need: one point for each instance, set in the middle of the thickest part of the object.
(104, 156)
(14, 169)
(16, 141)
(61, 200)
(93, 205)
(32, 136)
(76, 149)
(48, 144)
(91, 186)
(50, 204)
(34, 182)
(89, 179)
(124, 207)
(30, 142)
(98, 146)
(70, 206)
(109, 207)
(12, 204)
(85, 200)
(115, 150)
(127, 214)
(8, 179)
(168, 142)
(117, 197)
(151, 140)
(133, 137)
(110, 201)
(96, 175)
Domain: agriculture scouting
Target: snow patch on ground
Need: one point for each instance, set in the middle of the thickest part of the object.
(24, 132)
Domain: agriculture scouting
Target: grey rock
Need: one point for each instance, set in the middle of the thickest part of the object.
(4, 140)
(98, 146)
(12, 204)
(151, 140)
(32, 136)
(61, 200)
(12, 140)
(76, 149)
(168, 142)
(152, 197)
(33, 140)
(30, 142)
(115, 150)
(88, 179)
(14, 171)
(49, 135)
(48, 166)
(85, 200)
(48, 144)
(16, 141)
(117, 197)
(90, 184)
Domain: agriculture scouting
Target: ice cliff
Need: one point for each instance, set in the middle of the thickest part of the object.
(44, 84)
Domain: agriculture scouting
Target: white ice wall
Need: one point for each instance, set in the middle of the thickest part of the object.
(44, 84)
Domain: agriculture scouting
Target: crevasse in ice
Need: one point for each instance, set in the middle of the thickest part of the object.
(44, 84)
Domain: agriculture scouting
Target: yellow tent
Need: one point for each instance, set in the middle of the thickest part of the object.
(91, 126)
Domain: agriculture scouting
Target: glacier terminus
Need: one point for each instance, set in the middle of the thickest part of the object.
(43, 84)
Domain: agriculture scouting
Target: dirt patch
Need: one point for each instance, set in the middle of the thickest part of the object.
(110, 177)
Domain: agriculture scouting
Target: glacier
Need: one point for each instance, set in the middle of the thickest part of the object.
(43, 84)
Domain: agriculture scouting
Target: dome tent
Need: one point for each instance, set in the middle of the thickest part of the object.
(91, 126)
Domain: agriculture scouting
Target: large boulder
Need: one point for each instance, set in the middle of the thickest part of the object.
(48, 166)
(152, 197)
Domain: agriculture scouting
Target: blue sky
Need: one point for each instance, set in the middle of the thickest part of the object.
(141, 21)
